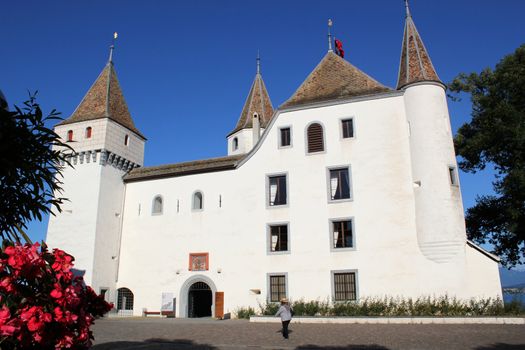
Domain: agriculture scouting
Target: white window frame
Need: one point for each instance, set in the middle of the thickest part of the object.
(331, 231)
(279, 140)
(267, 190)
(453, 176)
(329, 185)
(341, 128)
(268, 285)
(332, 282)
(306, 139)
(269, 238)
(193, 201)
(153, 205)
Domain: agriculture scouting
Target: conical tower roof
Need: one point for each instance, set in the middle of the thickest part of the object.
(258, 101)
(104, 99)
(415, 64)
(334, 78)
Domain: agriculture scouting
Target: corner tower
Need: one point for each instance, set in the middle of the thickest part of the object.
(255, 116)
(106, 145)
(440, 220)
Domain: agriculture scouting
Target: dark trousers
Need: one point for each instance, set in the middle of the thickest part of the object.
(285, 328)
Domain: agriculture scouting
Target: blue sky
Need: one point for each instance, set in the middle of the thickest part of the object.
(186, 66)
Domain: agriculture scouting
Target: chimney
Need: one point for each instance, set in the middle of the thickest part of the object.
(256, 128)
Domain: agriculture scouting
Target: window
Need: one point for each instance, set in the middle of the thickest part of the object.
(339, 184)
(344, 286)
(235, 143)
(342, 234)
(315, 138)
(278, 238)
(124, 299)
(197, 201)
(157, 206)
(453, 176)
(285, 137)
(70, 135)
(277, 287)
(88, 132)
(347, 128)
(277, 190)
(126, 140)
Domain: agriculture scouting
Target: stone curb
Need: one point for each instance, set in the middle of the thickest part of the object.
(395, 320)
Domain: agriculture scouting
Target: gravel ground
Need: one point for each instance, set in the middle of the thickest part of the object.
(162, 334)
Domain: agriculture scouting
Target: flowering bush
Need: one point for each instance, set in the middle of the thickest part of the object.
(42, 304)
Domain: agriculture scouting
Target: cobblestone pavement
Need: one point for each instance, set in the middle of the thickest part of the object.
(208, 334)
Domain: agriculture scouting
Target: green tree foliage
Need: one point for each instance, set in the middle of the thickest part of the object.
(496, 136)
(29, 167)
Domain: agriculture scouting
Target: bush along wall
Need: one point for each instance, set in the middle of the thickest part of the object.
(437, 306)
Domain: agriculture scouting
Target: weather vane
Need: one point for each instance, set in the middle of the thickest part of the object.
(112, 47)
(330, 23)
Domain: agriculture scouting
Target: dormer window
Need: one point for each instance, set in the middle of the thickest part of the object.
(126, 140)
(235, 144)
(70, 135)
(88, 132)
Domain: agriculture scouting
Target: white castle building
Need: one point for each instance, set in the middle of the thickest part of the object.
(349, 189)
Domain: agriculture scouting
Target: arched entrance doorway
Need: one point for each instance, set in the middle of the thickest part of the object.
(200, 299)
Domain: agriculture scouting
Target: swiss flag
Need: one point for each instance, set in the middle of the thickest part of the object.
(339, 48)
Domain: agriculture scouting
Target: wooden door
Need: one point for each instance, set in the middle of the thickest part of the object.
(219, 305)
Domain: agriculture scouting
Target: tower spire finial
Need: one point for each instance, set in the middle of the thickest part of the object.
(112, 47)
(330, 35)
(258, 63)
(407, 8)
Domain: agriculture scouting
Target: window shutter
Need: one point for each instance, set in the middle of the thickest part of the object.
(315, 138)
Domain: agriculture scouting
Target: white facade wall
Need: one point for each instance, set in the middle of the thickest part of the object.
(387, 257)
(245, 141)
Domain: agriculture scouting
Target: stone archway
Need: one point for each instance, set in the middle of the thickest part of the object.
(199, 291)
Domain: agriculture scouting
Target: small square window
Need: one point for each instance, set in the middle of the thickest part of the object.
(339, 184)
(348, 128)
(277, 287)
(277, 190)
(285, 137)
(344, 286)
(453, 176)
(278, 238)
(342, 235)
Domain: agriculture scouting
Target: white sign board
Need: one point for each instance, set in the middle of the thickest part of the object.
(167, 302)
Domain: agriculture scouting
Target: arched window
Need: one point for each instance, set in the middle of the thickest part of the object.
(124, 299)
(315, 138)
(126, 140)
(70, 135)
(157, 206)
(197, 201)
(88, 132)
(235, 143)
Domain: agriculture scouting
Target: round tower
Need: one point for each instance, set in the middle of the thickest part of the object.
(440, 219)
(106, 145)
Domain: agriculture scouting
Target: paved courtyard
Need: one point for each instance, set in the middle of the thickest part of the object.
(163, 334)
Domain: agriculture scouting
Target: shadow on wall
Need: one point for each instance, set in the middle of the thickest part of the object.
(154, 344)
(502, 346)
(347, 347)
